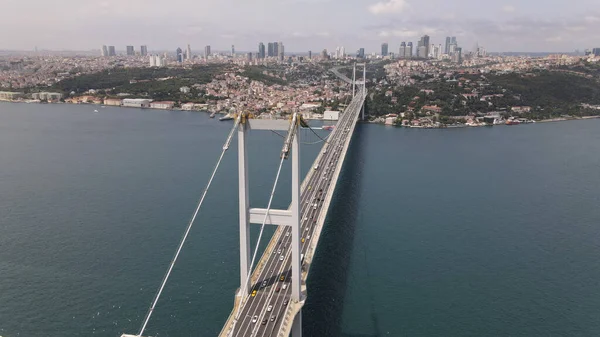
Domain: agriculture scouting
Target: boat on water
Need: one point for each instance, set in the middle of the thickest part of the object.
(513, 122)
(328, 127)
(212, 115)
(226, 118)
(95, 110)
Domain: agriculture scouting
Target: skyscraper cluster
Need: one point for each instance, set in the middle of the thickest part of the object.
(129, 51)
(274, 49)
(425, 50)
(158, 61)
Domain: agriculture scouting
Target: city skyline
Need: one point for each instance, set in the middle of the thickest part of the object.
(538, 26)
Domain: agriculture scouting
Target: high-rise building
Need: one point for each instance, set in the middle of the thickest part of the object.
(206, 51)
(409, 50)
(402, 50)
(360, 53)
(249, 56)
(447, 46)
(324, 54)
(188, 52)
(423, 42)
(179, 55)
(232, 50)
(130, 51)
(104, 51)
(270, 49)
(457, 57)
(144, 50)
(310, 55)
(596, 51)
(343, 52)
(384, 49)
(261, 50)
(281, 51)
(111, 51)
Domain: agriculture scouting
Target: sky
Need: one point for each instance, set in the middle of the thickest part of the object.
(302, 25)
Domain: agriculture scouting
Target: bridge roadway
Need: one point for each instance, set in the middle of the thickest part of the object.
(268, 291)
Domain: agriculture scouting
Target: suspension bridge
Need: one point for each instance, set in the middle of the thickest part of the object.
(271, 295)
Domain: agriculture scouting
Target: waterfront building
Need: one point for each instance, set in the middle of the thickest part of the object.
(144, 50)
(113, 101)
(136, 102)
(130, 51)
(49, 96)
(10, 95)
(167, 105)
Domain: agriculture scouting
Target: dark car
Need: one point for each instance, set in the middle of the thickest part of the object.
(264, 321)
(285, 303)
(273, 318)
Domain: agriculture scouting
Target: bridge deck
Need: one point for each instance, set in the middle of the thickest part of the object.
(273, 270)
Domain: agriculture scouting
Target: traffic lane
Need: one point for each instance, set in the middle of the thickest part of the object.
(313, 195)
(267, 329)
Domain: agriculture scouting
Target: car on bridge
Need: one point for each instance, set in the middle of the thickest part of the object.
(253, 293)
(254, 319)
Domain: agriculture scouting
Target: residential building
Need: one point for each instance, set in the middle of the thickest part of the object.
(49, 96)
(185, 90)
(423, 42)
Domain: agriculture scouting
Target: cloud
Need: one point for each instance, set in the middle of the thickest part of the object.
(509, 9)
(388, 7)
(591, 19)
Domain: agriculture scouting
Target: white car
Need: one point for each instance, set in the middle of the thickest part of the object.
(281, 258)
(254, 319)
(306, 229)
(287, 234)
(269, 308)
(284, 287)
(305, 218)
(278, 251)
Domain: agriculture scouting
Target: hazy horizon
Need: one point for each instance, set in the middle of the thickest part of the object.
(302, 25)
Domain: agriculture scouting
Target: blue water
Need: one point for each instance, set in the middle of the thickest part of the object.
(469, 232)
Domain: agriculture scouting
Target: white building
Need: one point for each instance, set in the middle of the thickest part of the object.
(136, 102)
(185, 90)
(331, 115)
(162, 105)
(9, 95)
(50, 96)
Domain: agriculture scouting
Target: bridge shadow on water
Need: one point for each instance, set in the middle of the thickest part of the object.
(327, 283)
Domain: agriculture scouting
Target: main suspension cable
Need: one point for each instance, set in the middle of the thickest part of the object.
(189, 227)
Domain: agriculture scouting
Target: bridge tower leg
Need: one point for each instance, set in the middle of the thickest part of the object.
(297, 325)
(296, 248)
(353, 79)
(364, 90)
(244, 210)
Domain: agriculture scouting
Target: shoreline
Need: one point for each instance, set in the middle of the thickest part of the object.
(549, 120)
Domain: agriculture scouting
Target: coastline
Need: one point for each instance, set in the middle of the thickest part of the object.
(549, 120)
